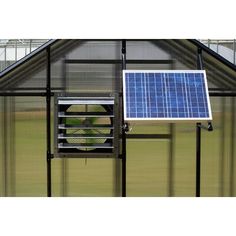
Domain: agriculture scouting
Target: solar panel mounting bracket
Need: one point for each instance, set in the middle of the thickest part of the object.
(209, 126)
(126, 127)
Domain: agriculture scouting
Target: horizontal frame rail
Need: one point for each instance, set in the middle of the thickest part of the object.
(62, 126)
(85, 136)
(148, 136)
(115, 61)
(85, 145)
(24, 94)
(213, 92)
(85, 114)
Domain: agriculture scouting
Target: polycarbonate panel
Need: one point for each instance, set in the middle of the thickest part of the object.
(1, 147)
(147, 167)
(184, 160)
(145, 50)
(92, 78)
(96, 50)
(30, 146)
(219, 166)
(58, 80)
(34, 81)
(90, 178)
(7, 143)
(211, 151)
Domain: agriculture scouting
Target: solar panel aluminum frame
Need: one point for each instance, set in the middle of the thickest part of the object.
(167, 119)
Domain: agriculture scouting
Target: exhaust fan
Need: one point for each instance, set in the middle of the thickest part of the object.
(84, 126)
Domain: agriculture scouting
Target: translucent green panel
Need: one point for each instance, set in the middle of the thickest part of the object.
(227, 148)
(1, 148)
(211, 149)
(30, 147)
(147, 168)
(148, 127)
(7, 146)
(184, 160)
(91, 177)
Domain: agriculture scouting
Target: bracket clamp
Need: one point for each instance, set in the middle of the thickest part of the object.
(209, 126)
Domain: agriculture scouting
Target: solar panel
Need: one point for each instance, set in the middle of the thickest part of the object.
(170, 95)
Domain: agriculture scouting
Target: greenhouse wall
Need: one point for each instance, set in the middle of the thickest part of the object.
(155, 166)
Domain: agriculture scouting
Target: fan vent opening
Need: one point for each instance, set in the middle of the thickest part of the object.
(85, 125)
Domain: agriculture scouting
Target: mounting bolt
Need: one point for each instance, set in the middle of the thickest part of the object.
(126, 127)
(209, 126)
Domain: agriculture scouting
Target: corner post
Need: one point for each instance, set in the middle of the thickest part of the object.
(198, 159)
(198, 137)
(123, 51)
(48, 114)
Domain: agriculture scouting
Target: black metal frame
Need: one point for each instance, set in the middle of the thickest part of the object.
(113, 61)
(123, 189)
(199, 126)
(49, 92)
(198, 137)
(48, 108)
(64, 166)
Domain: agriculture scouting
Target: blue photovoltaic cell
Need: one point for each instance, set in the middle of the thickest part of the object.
(166, 95)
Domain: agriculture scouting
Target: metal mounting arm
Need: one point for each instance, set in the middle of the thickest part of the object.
(209, 126)
(126, 127)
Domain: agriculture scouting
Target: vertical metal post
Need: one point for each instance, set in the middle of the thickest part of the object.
(64, 167)
(48, 102)
(118, 88)
(198, 137)
(198, 159)
(123, 50)
(170, 189)
(232, 152)
(222, 151)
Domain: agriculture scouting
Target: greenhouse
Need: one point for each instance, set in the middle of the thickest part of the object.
(62, 123)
